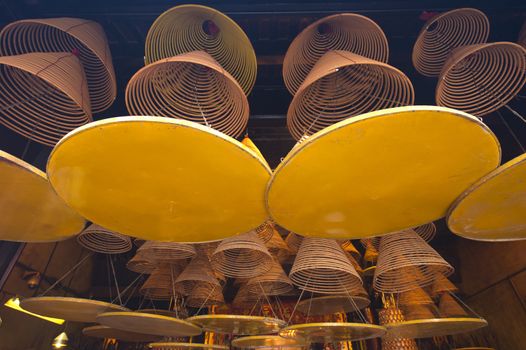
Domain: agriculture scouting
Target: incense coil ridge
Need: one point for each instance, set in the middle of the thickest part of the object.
(167, 251)
(101, 240)
(160, 285)
(347, 31)
(84, 38)
(191, 86)
(342, 85)
(273, 282)
(43, 95)
(205, 295)
(198, 271)
(445, 32)
(141, 264)
(188, 28)
(427, 231)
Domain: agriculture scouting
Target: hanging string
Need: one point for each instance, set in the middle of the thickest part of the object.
(465, 305)
(208, 297)
(511, 132)
(299, 299)
(67, 274)
(127, 288)
(116, 283)
(109, 276)
(353, 303)
(268, 301)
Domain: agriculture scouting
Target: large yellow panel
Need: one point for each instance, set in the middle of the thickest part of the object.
(380, 172)
(494, 208)
(160, 179)
(30, 211)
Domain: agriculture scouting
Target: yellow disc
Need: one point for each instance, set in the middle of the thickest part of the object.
(30, 209)
(186, 346)
(332, 304)
(380, 172)
(474, 348)
(105, 332)
(69, 309)
(328, 332)
(268, 342)
(138, 322)
(434, 327)
(160, 179)
(494, 208)
(238, 324)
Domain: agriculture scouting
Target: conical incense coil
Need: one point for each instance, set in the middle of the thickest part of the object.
(191, 86)
(141, 264)
(427, 231)
(479, 79)
(84, 38)
(198, 270)
(442, 285)
(276, 243)
(393, 315)
(321, 266)
(347, 31)
(445, 32)
(101, 240)
(405, 262)
(265, 231)
(205, 295)
(167, 251)
(293, 241)
(160, 284)
(343, 85)
(415, 296)
(245, 299)
(419, 312)
(138, 242)
(44, 95)
(188, 28)
(449, 307)
(273, 282)
(242, 256)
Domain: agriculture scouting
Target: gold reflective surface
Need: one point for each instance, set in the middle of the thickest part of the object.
(332, 304)
(327, 332)
(434, 327)
(238, 324)
(267, 341)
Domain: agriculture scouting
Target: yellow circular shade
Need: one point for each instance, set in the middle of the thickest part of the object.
(31, 211)
(69, 309)
(238, 324)
(186, 346)
(160, 179)
(434, 327)
(144, 323)
(380, 172)
(267, 342)
(328, 332)
(105, 332)
(494, 208)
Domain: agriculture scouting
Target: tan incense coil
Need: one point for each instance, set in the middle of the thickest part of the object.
(321, 266)
(188, 28)
(83, 37)
(245, 299)
(273, 282)
(293, 241)
(342, 85)
(167, 251)
(265, 231)
(242, 256)
(405, 262)
(191, 86)
(479, 79)
(427, 231)
(351, 249)
(415, 296)
(198, 270)
(449, 307)
(347, 31)
(445, 32)
(393, 315)
(43, 96)
(141, 264)
(276, 243)
(371, 252)
(442, 285)
(419, 312)
(101, 240)
(160, 284)
(205, 295)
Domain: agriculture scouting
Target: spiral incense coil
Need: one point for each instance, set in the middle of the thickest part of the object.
(245, 299)
(322, 266)
(84, 38)
(479, 79)
(205, 295)
(141, 264)
(43, 96)
(442, 285)
(276, 243)
(198, 270)
(160, 284)
(342, 85)
(265, 231)
(167, 251)
(346, 31)
(101, 240)
(427, 231)
(415, 296)
(445, 32)
(419, 312)
(393, 315)
(293, 241)
(242, 256)
(449, 307)
(273, 282)
(406, 262)
(188, 28)
(191, 86)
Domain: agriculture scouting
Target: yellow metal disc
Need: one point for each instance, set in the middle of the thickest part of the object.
(69, 309)
(30, 209)
(105, 332)
(434, 327)
(494, 208)
(332, 304)
(238, 324)
(268, 341)
(186, 346)
(474, 348)
(138, 322)
(380, 172)
(328, 332)
(160, 179)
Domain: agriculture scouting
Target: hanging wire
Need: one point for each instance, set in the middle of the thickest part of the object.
(116, 283)
(66, 274)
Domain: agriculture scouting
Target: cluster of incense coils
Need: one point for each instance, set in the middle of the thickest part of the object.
(204, 209)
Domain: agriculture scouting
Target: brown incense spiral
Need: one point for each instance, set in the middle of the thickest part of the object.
(191, 86)
(189, 28)
(273, 282)
(427, 231)
(141, 264)
(343, 85)
(198, 271)
(167, 251)
(160, 284)
(445, 32)
(101, 240)
(84, 38)
(205, 295)
(43, 96)
(346, 31)
(479, 79)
